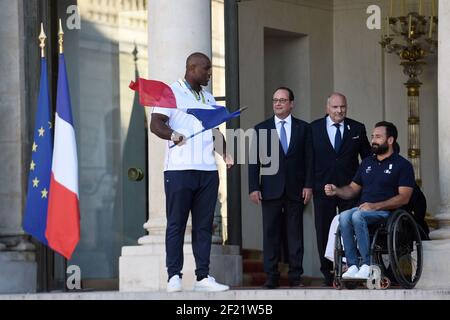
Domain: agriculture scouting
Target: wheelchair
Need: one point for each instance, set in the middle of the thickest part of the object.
(395, 254)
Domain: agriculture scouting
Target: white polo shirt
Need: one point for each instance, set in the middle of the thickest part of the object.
(198, 152)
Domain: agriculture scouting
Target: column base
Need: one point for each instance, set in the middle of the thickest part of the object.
(143, 268)
(18, 272)
(436, 259)
(443, 221)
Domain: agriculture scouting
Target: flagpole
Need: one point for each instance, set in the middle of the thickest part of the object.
(194, 134)
(65, 275)
(42, 37)
(61, 51)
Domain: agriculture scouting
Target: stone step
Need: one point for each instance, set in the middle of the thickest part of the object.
(253, 269)
(252, 266)
(245, 294)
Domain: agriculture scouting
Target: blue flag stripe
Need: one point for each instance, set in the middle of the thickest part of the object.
(211, 118)
(63, 107)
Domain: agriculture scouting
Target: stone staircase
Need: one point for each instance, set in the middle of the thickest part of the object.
(254, 275)
(252, 268)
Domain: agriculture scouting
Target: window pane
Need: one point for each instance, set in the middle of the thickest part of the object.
(103, 56)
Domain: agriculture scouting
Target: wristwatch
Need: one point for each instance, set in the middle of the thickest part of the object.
(174, 136)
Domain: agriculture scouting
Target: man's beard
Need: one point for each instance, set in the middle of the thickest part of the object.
(380, 149)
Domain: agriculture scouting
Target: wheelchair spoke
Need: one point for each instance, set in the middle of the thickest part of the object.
(405, 250)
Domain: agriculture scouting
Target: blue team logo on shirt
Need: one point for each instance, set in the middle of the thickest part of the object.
(388, 171)
(368, 169)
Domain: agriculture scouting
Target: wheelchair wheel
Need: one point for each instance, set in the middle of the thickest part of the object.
(383, 260)
(338, 255)
(337, 284)
(385, 283)
(405, 249)
(423, 234)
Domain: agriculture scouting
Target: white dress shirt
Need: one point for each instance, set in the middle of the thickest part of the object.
(287, 127)
(331, 129)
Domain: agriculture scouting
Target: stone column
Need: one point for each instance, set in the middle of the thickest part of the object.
(437, 252)
(175, 29)
(443, 216)
(17, 256)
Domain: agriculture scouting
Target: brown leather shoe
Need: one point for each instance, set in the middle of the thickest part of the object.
(296, 283)
(271, 284)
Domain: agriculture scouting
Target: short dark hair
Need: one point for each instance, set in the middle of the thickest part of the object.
(391, 129)
(291, 94)
(193, 57)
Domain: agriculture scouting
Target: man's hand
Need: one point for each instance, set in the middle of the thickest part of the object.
(256, 197)
(367, 206)
(178, 138)
(228, 160)
(330, 190)
(306, 195)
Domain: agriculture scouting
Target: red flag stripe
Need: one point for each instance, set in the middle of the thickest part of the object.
(154, 93)
(63, 231)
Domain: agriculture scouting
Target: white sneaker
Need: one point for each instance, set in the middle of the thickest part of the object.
(364, 272)
(174, 284)
(351, 272)
(209, 284)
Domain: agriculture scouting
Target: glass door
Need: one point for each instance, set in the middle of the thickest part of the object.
(103, 54)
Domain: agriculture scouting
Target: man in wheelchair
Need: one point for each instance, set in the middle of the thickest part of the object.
(385, 182)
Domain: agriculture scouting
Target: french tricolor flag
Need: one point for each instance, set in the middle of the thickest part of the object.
(154, 93)
(158, 94)
(63, 215)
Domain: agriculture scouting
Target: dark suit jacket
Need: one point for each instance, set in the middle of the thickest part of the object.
(337, 168)
(295, 168)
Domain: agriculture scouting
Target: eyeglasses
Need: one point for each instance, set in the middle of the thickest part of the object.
(282, 101)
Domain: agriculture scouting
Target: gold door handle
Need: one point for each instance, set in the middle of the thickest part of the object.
(135, 174)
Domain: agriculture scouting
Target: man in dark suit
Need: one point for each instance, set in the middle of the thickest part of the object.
(337, 143)
(283, 192)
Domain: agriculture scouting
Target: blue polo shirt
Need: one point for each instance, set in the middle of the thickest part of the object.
(380, 179)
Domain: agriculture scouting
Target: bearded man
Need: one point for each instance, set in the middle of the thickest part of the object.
(385, 182)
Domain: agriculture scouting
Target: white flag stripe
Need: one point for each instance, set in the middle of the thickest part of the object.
(65, 161)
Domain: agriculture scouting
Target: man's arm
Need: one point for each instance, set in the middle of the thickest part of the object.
(347, 192)
(220, 146)
(254, 170)
(404, 194)
(309, 166)
(158, 126)
(309, 158)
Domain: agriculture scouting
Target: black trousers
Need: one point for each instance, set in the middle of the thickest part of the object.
(274, 226)
(324, 212)
(194, 191)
